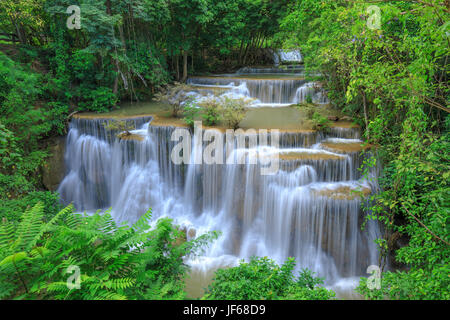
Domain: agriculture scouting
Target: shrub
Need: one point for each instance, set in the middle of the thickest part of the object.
(233, 111)
(320, 122)
(175, 95)
(19, 171)
(101, 99)
(119, 128)
(211, 111)
(12, 209)
(415, 193)
(190, 113)
(262, 278)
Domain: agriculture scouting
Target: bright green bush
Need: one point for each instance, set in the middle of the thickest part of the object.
(12, 209)
(19, 170)
(416, 191)
(211, 111)
(262, 278)
(190, 113)
(319, 121)
(101, 99)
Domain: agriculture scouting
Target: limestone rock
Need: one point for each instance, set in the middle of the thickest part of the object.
(54, 169)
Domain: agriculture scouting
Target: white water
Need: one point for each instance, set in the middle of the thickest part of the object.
(280, 91)
(286, 214)
(305, 210)
(287, 56)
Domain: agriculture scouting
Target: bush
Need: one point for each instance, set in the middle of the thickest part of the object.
(119, 128)
(56, 116)
(175, 95)
(262, 278)
(190, 113)
(233, 111)
(415, 193)
(211, 111)
(19, 171)
(101, 99)
(12, 209)
(19, 92)
(418, 284)
(320, 122)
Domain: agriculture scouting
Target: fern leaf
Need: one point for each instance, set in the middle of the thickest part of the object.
(30, 227)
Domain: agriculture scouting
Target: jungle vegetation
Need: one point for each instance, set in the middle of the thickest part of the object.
(392, 80)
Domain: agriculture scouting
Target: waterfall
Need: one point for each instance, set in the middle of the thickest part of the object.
(310, 209)
(281, 90)
(307, 210)
(287, 56)
(288, 69)
(266, 91)
(309, 90)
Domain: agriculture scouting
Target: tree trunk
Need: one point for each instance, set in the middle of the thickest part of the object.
(20, 35)
(241, 52)
(177, 68)
(185, 66)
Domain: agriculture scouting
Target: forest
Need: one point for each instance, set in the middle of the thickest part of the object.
(111, 220)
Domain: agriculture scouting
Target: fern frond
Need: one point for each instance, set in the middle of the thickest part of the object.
(109, 295)
(143, 223)
(67, 211)
(6, 234)
(30, 227)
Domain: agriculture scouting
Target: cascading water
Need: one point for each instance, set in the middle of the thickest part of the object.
(310, 209)
(272, 87)
(287, 56)
(288, 69)
(310, 90)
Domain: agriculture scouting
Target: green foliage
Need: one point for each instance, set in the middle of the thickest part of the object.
(19, 91)
(120, 128)
(19, 171)
(211, 111)
(101, 99)
(262, 278)
(319, 121)
(190, 113)
(116, 261)
(414, 202)
(413, 285)
(24, 121)
(233, 111)
(12, 209)
(394, 81)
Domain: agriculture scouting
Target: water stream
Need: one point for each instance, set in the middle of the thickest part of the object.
(307, 210)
